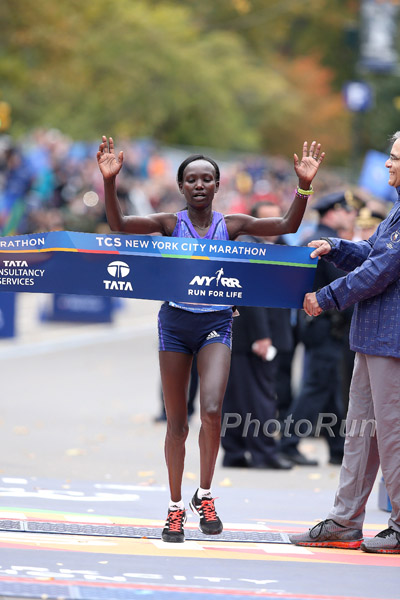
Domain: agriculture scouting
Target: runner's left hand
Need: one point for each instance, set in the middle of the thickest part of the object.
(307, 167)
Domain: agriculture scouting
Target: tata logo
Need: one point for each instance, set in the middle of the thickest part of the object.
(118, 270)
(15, 263)
(217, 279)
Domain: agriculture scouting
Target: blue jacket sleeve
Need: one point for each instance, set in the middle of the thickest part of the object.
(348, 255)
(372, 277)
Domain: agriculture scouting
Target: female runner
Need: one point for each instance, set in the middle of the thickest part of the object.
(204, 330)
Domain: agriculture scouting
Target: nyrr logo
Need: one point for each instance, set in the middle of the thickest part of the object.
(118, 270)
(218, 282)
(230, 282)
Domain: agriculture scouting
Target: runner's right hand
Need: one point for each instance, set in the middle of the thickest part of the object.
(109, 164)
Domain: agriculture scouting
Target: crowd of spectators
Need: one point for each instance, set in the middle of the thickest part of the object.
(49, 182)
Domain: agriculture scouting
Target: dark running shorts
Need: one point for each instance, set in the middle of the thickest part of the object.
(183, 331)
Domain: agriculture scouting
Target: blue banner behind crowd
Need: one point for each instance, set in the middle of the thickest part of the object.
(157, 268)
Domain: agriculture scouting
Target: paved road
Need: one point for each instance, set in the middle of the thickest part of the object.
(76, 423)
(79, 402)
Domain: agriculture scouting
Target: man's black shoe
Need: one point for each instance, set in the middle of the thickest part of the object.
(160, 418)
(299, 459)
(336, 459)
(274, 462)
(241, 463)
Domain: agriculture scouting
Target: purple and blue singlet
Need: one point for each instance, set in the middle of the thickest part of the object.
(217, 231)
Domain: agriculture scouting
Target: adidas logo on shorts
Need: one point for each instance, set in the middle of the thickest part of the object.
(212, 335)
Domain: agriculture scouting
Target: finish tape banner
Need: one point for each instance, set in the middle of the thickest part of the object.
(157, 268)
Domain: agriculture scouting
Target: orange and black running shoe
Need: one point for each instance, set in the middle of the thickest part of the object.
(210, 523)
(173, 530)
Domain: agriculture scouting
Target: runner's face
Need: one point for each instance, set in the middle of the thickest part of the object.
(199, 183)
(393, 164)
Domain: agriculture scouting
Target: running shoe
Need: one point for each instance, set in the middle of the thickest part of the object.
(173, 530)
(210, 523)
(329, 534)
(385, 542)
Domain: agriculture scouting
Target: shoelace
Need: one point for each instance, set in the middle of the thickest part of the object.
(387, 532)
(208, 509)
(175, 519)
(318, 528)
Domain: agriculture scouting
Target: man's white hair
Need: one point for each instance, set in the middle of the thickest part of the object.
(395, 137)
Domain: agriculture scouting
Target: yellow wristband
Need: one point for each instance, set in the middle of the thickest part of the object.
(305, 192)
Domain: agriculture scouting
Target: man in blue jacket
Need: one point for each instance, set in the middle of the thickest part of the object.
(372, 284)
